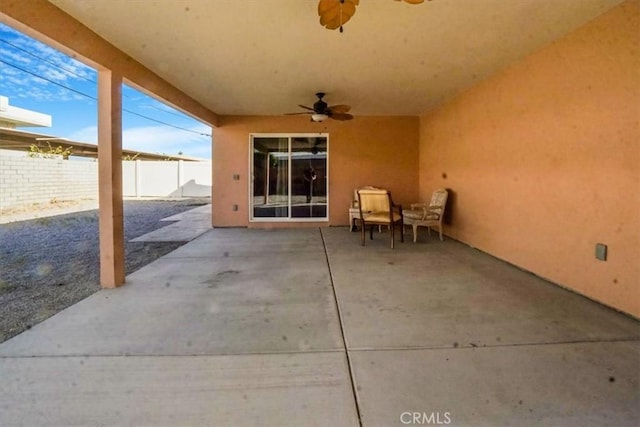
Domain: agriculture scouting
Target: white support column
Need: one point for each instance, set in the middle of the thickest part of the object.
(112, 272)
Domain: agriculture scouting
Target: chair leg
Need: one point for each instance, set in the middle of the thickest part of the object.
(415, 232)
(362, 239)
(401, 231)
(440, 228)
(392, 232)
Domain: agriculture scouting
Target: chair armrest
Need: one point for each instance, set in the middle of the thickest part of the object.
(419, 205)
(437, 212)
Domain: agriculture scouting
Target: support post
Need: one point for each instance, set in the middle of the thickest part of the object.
(112, 272)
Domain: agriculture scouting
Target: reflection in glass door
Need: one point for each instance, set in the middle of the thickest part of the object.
(270, 178)
(289, 177)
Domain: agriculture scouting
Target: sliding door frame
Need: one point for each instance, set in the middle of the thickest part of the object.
(251, 181)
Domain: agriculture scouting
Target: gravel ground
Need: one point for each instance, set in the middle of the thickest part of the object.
(48, 264)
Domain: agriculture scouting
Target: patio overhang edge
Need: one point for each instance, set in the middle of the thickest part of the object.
(42, 20)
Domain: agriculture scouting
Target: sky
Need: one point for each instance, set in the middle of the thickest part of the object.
(37, 77)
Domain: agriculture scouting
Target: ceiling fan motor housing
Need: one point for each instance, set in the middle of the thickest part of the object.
(320, 106)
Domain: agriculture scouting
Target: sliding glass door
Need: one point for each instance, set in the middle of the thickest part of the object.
(289, 177)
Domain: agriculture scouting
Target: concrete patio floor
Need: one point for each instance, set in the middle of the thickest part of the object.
(304, 327)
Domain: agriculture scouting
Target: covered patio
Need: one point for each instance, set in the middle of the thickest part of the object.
(525, 111)
(307, 327)
(260, 323)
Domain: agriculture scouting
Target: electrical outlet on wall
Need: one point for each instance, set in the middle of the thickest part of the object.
(601, 251)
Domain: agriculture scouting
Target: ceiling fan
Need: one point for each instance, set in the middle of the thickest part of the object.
(335, 13)
(321, 110)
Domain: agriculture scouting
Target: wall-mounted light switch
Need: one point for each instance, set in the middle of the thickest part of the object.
(601, 251)
(236, 177)
(235, 208)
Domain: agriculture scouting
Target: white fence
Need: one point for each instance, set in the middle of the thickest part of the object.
(166, 179)
(25, 180)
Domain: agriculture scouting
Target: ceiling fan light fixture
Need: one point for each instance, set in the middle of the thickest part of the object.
(319, 117)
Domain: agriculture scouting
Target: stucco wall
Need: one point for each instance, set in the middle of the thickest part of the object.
(379, 151)
(544, 160)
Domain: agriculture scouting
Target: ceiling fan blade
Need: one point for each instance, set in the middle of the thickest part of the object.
(340, 108)
(297, 114)
(334, 23)
(333, 13)
(328, 10)
(324, 6)
(349, 9)
(341, 116)
(331, 8)
(305, 107)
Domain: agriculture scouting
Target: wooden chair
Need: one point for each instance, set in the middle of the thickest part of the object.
(377, 208)
(354, 209)
(427, 215)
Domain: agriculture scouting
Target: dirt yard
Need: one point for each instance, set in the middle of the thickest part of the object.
(51, 262)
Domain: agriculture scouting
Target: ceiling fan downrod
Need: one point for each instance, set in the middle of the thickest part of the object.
(320, 106)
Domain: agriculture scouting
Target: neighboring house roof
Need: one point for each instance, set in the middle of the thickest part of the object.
(11, 117)
(15, 139)
(20, 140)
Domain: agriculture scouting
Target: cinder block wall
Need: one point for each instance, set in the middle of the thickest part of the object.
(25, 180)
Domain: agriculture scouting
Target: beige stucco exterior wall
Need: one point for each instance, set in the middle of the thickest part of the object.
(380, 151)
(544, 161)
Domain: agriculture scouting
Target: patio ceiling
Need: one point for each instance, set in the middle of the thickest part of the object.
(264, 57)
